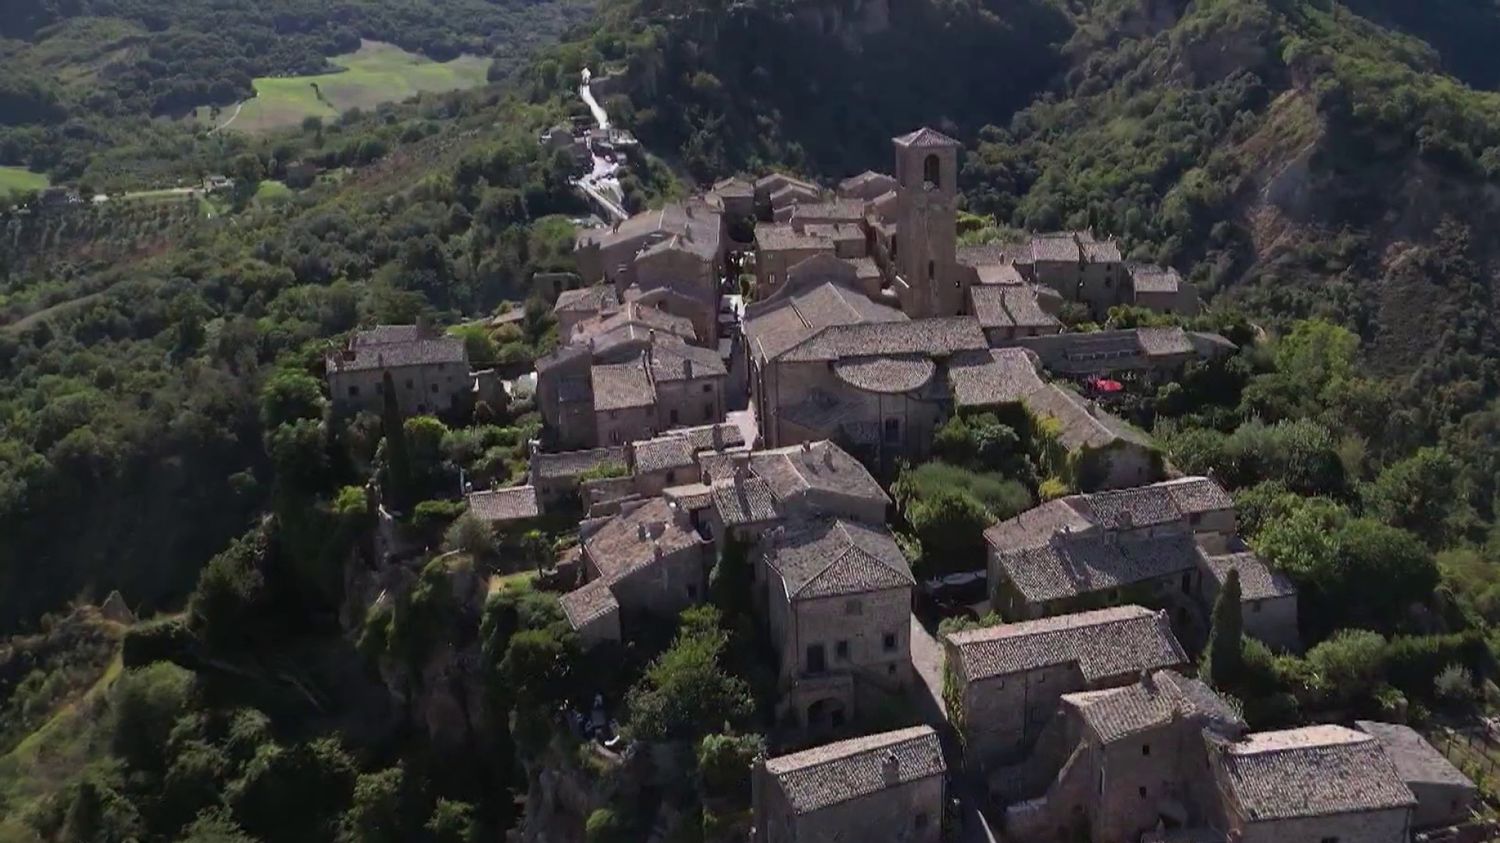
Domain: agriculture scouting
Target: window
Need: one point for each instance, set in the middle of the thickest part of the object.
(841, 650)
(816, 661)
(1142, 790)
(409, 384)
(931, 270)
(673, 416)
(671, 478)
(1254, 606)
(1145, 749)
(708, 387)
(1329, 840)
(892, 430)
(890, 670)
(932, 170)
(1194, 518)
(434, 389)
(614, 414)
(890, 642)
(354, 391)
(853, 607)
(708, 411)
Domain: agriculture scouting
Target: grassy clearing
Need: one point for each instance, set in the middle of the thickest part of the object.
(373, 74)
(271, 192)
(20, 180)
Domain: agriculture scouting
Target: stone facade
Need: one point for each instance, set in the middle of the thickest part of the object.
(928, 279)
(650, 559)
(429, 371)
(888, 786)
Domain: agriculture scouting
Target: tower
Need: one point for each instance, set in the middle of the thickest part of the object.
(926, 243)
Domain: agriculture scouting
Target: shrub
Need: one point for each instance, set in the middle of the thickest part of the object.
(167, 639)
(472, 535)
(432, 516)
(1455, 685)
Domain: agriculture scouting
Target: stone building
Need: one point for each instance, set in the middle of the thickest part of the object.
(867, 186)
(928, 280)
(1096, 450)
(695, 228)
(1104, 548)
(1268, 600)
(592, 612)
(671, 459)
(1118, 762)
(1084, 269)
(651, 559)
(556, 475)
(508, 508)
(751, 493)
(627, 385)
(1006, 680)
(838, 600)
(889, 786)
(778, 248)
(1323, 783)
(585, 303)
(429, 371)
(1162, 290)
(1167, 752)
(1156, 351)
(1445, 796)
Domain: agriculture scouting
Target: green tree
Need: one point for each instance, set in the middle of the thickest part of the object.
(1226, 640)
(290, 395)
(452, 822)
(472, 535)
(147, 703)
(1419, 494)
(377, 813)
(296, 793)
(686, 693)
(724, 767)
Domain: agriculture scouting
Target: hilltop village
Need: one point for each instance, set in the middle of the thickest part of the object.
(739, 376)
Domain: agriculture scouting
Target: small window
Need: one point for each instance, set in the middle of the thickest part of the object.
(841, 649)
(673, 416)
(708, 387)
(892, 430)
(1254, 606)
(409, 384)
(434, 389)
(890, 670)
(440, 366)
(931, 270)
(354, 391)
(1145, 749)
(1194, 518)
(816, 660)
(890, 642)
(1142, 790)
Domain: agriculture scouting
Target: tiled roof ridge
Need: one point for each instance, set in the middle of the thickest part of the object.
(1056, 623)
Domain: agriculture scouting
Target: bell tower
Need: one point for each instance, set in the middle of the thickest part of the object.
(926, 245)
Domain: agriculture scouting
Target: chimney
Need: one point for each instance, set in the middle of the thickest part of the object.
(656, 529)
(891, 768)
(640, 531)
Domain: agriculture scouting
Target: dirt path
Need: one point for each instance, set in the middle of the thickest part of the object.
(233, 117)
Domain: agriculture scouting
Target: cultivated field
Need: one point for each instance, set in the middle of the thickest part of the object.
(18, 179)
(373, 74)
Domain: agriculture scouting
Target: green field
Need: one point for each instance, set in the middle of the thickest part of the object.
(18, 179)
(373, 74)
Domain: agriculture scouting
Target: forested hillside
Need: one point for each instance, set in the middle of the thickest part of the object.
(1325, 172)
(90, 77)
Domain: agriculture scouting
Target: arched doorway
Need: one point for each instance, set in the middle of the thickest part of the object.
(825, 714)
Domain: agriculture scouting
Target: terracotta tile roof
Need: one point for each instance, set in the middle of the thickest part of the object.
(1104, 643)
(1081, 423)
(746, 500)
(1257, 580)
(712, 437)
(934, 337)
(984, 254)
(779, 324)
(995, 376)
(588, 603)
(632, 314)
(838, 772)
(586, 300)
(997, 306)
(695, 221)
(833, 210)
(867, 180)
(1161, 342)
(673, 360)
(501, 505)
(831, 556)
(734, 186)
(1146, 278)
(690, 496)
(662, 454)
(1128, 509)
(637, 537)
(1025, 309)
(622, 386)
(1197, 494)
(925, 138)
(569, 464)
(1157, 700)
(887, 374)
(1096, 251)
(1315, 771)
(394, 346)
(1073, 566)
(780, 237)
(1055, 248)
(864, 268)
(1416, 760)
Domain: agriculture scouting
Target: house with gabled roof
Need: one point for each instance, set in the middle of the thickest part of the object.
(887, 786)
(1004, 682)
(1445, 796)
(648, 555)
(429, 370)
(838, 604)
(754, 491)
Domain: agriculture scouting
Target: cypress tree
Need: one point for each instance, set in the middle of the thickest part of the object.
(397, 459)
(1226, 641)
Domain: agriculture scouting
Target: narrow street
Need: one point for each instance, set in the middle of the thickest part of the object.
(927, 661)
